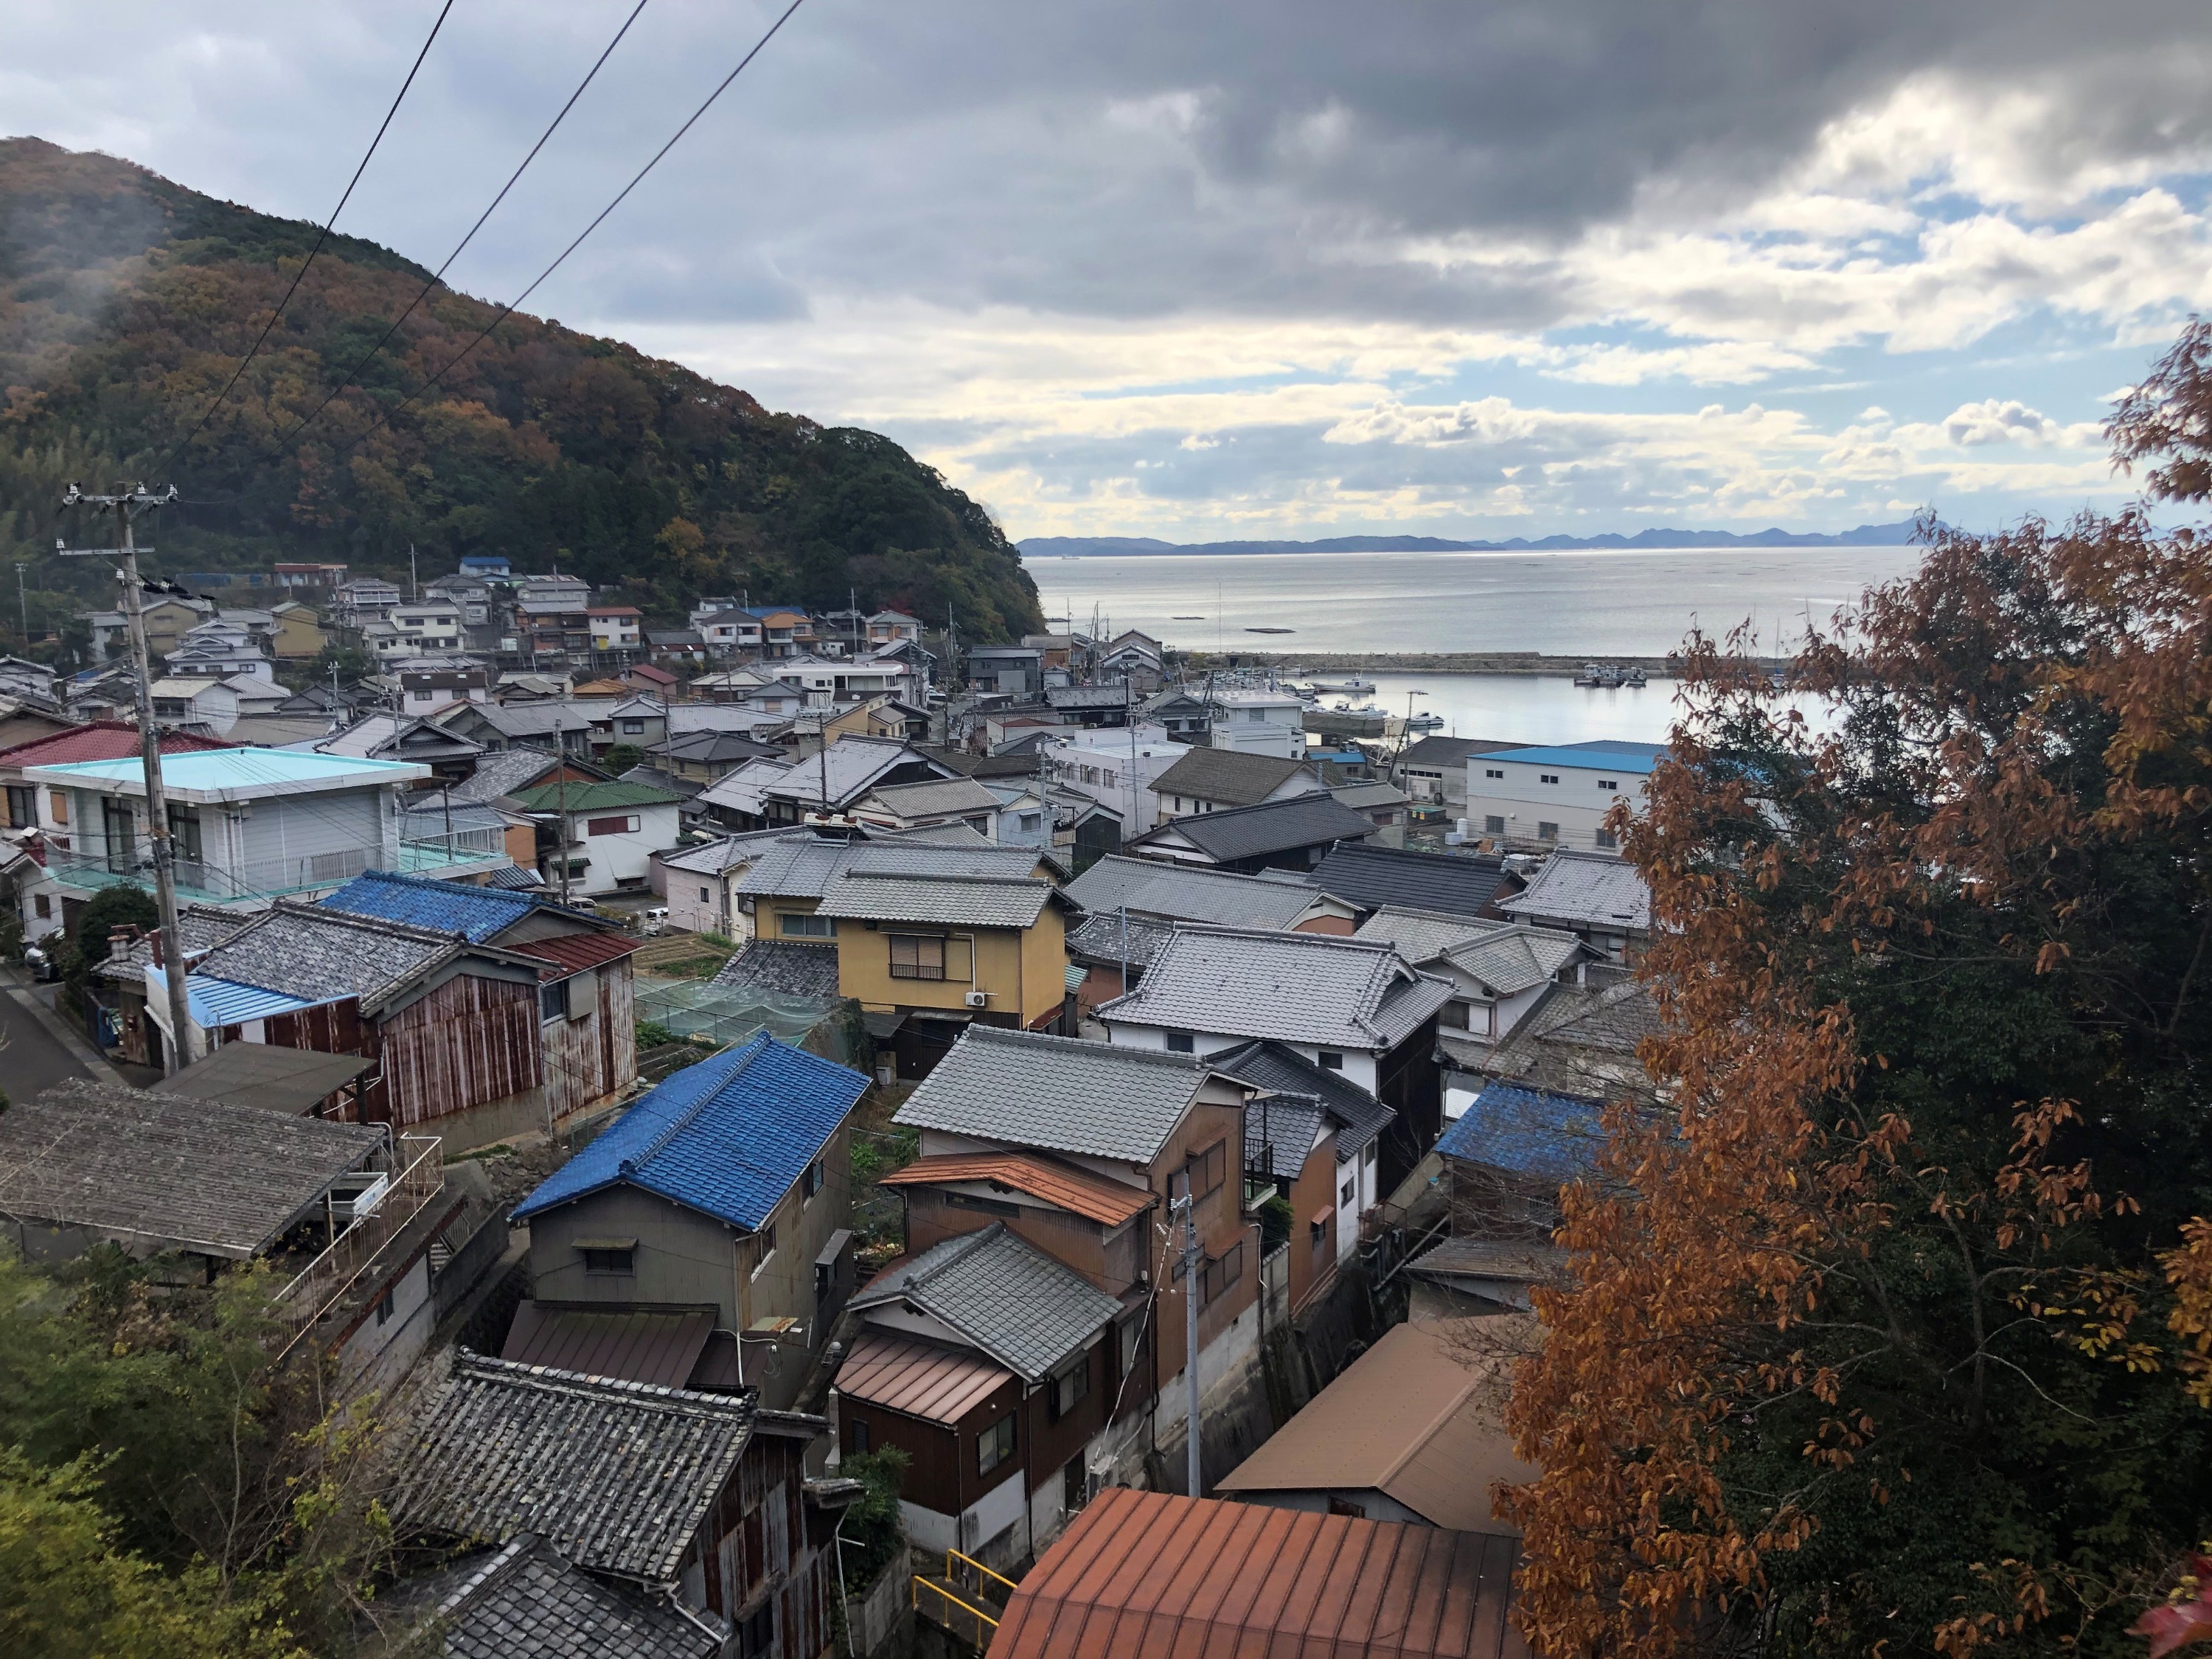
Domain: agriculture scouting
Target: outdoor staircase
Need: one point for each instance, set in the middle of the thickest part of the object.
(967, 1600)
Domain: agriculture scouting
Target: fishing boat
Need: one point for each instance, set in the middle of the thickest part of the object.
(1354, 687)
(1603, 676)
(1425, 723)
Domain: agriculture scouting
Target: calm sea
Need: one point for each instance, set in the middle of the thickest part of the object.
(1566, 604)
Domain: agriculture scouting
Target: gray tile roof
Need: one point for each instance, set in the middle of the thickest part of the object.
(1358, 1115)
(1275, 826)
(949, 901)
(1318, 989)
(1512, 959)
(1594, 890)
(1057, 1094)
(1193, 893)
(1012, 1300)
(163, 1171)
(502, 772)
(320, 955)
(1107, 936)
(724, 853)
(1435, 754)
(1231, 776)
(616, 1476)
(201, 927)
(1423, 936)
(1577, 1040)
(938, 795)
(1371, 877)
(1366, 797)
(783, 967)
(526, 1600)
(804, 865)
(1279, 1134)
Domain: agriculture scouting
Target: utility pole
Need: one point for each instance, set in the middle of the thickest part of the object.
(23, 600)
(413, 592)
(1190, 1261)
(561, 799)
(127, 507)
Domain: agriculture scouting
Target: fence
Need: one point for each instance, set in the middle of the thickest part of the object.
(353, 1253)
(699, 1008)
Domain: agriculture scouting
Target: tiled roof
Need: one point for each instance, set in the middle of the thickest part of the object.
(1279, 1131)
(1275, 826)
(527, 1601)
(1012, 1300)
(200, 928)
(800, 865)
(1442, 754)
(1063, 1094)
(1512, 959)
(1423, 936)
(1110, 1203)
(567, 954)
(166, 1171)
(445, 907)
(618, 1476)
(784, 967)
(1580, 1041)
(1359, 1116)
(1529, 1131)
(938, 795)
(1193, 893)
(574, 798)
(1371, 877)
(1318, 989)
(1230, 775)
(1110, 937)
(320, 955)
(513, 878)
(1596, 889)
(949, 901)
(98, 740)
(1142, 1575)
(503, 771)
(728, 1136)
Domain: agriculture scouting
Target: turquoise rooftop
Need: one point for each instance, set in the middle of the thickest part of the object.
(215, 775)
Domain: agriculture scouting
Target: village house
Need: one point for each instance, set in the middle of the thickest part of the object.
(696, 1499)
(764, 792)
(1215, 779)
(606, 832)
(1141, 1574)
(726, 1192)
(1078, 1149)
(708, 758)
(431, 686)
(1600, 899)
(1559, 795)
(945, 800)
(1383, 805)
(1293, 833)
(749, 687)
(617, 629)
(448, 757)
(701, 883)
(1257, 722)
(1459, 883)
(295, 631)
(892, 627)
(1581, 1040)
(1135, 658)
(1119, 769)
(207, 704)
(1355, 1008)
(1014, 671)
(1498, 971)
(554, 725)
(1336, 1179)
(166, 619)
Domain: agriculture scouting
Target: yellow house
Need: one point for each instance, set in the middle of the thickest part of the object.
(299, 630)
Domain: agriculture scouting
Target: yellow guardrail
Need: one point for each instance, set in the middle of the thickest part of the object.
(948, 1611)
(952, 1575)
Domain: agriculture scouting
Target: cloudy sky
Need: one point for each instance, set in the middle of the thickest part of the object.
(1229, 268)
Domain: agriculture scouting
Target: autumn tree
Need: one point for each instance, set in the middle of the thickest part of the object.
(1882, 1339)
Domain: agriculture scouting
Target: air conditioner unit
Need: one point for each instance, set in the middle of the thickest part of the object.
(979, 999)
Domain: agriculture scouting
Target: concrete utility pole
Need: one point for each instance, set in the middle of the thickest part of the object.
(561, 799)
(127, 507)
(23, 600)
(1190, 1265)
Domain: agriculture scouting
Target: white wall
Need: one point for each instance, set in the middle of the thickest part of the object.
(1360, 1065)
(1142, 752)
(1517, 803)
(622, 858)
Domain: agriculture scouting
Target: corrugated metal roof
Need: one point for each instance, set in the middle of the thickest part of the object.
(265, 1077)
(1144, 1575)
(1602, 755)
(659, 1347)
(571, 953)
(727, 1137)
(1063, 1094)
(217, 1002)
(918, 1379)
(574, 798)
(1110, 1203)
(1419, 1416)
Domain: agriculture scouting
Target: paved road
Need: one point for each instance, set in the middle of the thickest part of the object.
(31, 1058)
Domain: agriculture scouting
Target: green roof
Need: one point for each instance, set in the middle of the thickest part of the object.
(593, 796)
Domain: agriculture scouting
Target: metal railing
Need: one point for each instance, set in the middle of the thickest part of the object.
(200, 880)
(354, 1253)
(955, 1613)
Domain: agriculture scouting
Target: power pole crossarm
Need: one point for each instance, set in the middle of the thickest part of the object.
(127, 507)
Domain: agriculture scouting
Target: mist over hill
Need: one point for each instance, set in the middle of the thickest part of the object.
(1900, 534)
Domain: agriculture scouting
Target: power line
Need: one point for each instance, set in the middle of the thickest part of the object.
(321, 236)
(370, 356)
(505, 311)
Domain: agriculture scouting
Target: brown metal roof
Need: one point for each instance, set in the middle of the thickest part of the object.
(571, 953)
(1410, 1418)
(659, 1348)
(1152, 1575)
(1110, 1203)
(941, 1385)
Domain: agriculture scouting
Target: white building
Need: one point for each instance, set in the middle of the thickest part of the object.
(1115, 768)
(1259, 723)
(608, 832)
(1557, 795)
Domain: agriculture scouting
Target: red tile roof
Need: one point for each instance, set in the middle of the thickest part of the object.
(571, 953)
(99, 740)
(1110, 1203)
(1143, 1575)
(939, 1385)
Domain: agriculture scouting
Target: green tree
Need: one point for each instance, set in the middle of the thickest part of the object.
(120, 906)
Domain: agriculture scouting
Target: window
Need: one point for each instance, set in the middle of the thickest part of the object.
(633, 727)
(1345, 1196)
(1493, 771)
(1608, 783)
(22, 806)
(764, 1243)
(809, 1181)
(706, 896)
(1547, 777)
(1547, 831)
(1493, 824)
(1255, 715)
(1331, 1061)
(917, 956)
(59, 799)
(1069, 1389)
(856, 1434)
(1207, 1170)
(1346, 1506)
(383, 1311)
(1180, 1042)
(1220, 1274)
(1032, 821)
(807, 926)
(1605, 842)
(1453, 1014)
(185, 833)
(1106, 777)
(1319, 1232)
(1090, 775)
(43, 906)
(757, 1636)
(994, 1445)
(609, 1258)
(553, 1000)
(612, 826)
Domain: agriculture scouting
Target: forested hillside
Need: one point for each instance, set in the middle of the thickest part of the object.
(126, 301)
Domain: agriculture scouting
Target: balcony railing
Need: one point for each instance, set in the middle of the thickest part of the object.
(354, 1254)
(199, 882)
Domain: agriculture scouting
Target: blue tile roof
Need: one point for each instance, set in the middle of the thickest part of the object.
(728, 1136)
(448, 907)
(1530, 1131)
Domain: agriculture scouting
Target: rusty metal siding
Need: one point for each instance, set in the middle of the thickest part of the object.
(469, 1042)
(593, 1054)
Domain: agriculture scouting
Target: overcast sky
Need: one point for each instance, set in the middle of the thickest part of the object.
(1281, 267)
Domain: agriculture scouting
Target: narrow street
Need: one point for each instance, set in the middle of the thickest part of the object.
(34, 1056)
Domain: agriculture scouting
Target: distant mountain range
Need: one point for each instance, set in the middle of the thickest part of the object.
(1866, 535)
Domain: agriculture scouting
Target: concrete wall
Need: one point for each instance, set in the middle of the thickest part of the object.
(1576, 803)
